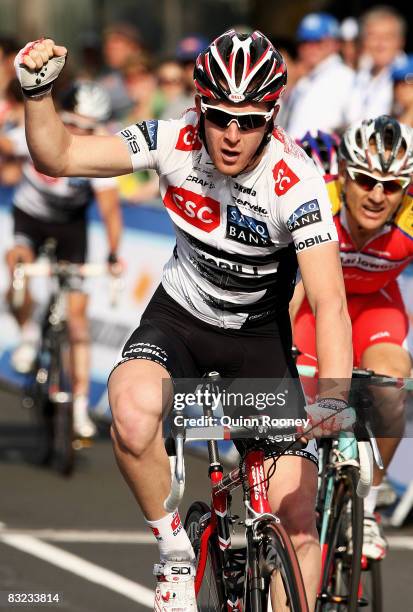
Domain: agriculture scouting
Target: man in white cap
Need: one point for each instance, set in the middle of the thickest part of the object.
(318, 99)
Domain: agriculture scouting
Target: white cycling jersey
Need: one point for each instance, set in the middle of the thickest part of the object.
(234, 263)
(51, 199)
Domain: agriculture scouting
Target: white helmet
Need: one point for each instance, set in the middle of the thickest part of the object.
(381, 144)
(88, 99)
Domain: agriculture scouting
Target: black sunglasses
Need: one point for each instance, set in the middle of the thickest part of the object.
(245, 121)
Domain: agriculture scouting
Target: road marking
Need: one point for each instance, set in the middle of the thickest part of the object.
(81, 567)
(95, 536)
(400, 542)
(101, 536)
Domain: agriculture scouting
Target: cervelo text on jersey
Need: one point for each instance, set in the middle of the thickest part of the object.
(383, 257)
(234, 260)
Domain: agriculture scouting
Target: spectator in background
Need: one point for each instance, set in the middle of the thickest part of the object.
(121, 44)
(187, 50)
(91, 58)
(12, 117)
(295, 69)
(171, 85)
(349, 42)
(402, 76)
(8, 49)
(319, 99)
(141, 87)
(382, 31)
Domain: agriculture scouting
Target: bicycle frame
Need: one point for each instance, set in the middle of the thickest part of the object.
(256, 501)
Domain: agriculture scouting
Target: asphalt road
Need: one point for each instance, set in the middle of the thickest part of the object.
(84, 537)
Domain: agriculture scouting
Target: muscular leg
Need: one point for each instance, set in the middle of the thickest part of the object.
(79, 341)
(138, 398)
(393, 360)
(19, 254)
(292, 495)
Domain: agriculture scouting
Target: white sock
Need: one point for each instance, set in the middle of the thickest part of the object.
(371, 499)
(172, 538)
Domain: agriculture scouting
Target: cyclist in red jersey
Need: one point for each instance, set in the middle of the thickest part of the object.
(232, 185)
(373, 214)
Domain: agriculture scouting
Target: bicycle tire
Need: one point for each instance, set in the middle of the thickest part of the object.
(276, 553)
(36, 399)
(342, 557)
(211, 597)
(371, 587)
(63, 451)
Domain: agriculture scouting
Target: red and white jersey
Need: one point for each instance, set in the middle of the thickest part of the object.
(383, 257)
(234, 263)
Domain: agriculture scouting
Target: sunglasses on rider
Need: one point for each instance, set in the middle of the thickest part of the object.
(245, 121)
(368, 181)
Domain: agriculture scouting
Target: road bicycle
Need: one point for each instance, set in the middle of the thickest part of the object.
(349, 580)
(49, 390)
(230, 578)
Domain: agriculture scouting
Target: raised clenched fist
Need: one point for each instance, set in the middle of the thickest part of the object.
(38, 64)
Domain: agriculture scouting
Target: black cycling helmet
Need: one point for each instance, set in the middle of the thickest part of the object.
(241, 68)
(381, 144)
(322, 148)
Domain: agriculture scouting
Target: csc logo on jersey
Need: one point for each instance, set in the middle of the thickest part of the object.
(284, 178)
(200, 211)
(188, 139)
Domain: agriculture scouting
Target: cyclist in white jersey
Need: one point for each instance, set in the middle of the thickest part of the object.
(47, 207)
(245, 201)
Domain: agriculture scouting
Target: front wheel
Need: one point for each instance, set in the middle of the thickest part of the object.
(280, 571)
(371, 595)
(341, 552)
(210, 594)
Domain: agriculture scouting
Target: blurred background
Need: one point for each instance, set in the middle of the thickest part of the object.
(142, 52)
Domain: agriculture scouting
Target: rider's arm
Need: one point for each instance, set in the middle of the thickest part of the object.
(54, 150)
(323, 282)
(109, 207)
(296, 301)
(305, 211)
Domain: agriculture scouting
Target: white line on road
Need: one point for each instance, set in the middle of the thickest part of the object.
(81, 567)
(97, 536)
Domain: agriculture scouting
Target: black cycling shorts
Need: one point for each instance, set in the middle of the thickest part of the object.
(188, 348)
(71, 237)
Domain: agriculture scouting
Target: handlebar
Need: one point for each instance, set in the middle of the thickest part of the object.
(380, 380)
(60, 269)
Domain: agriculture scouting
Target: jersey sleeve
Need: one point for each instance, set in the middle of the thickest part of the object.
(306, 214)
(149, 143)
